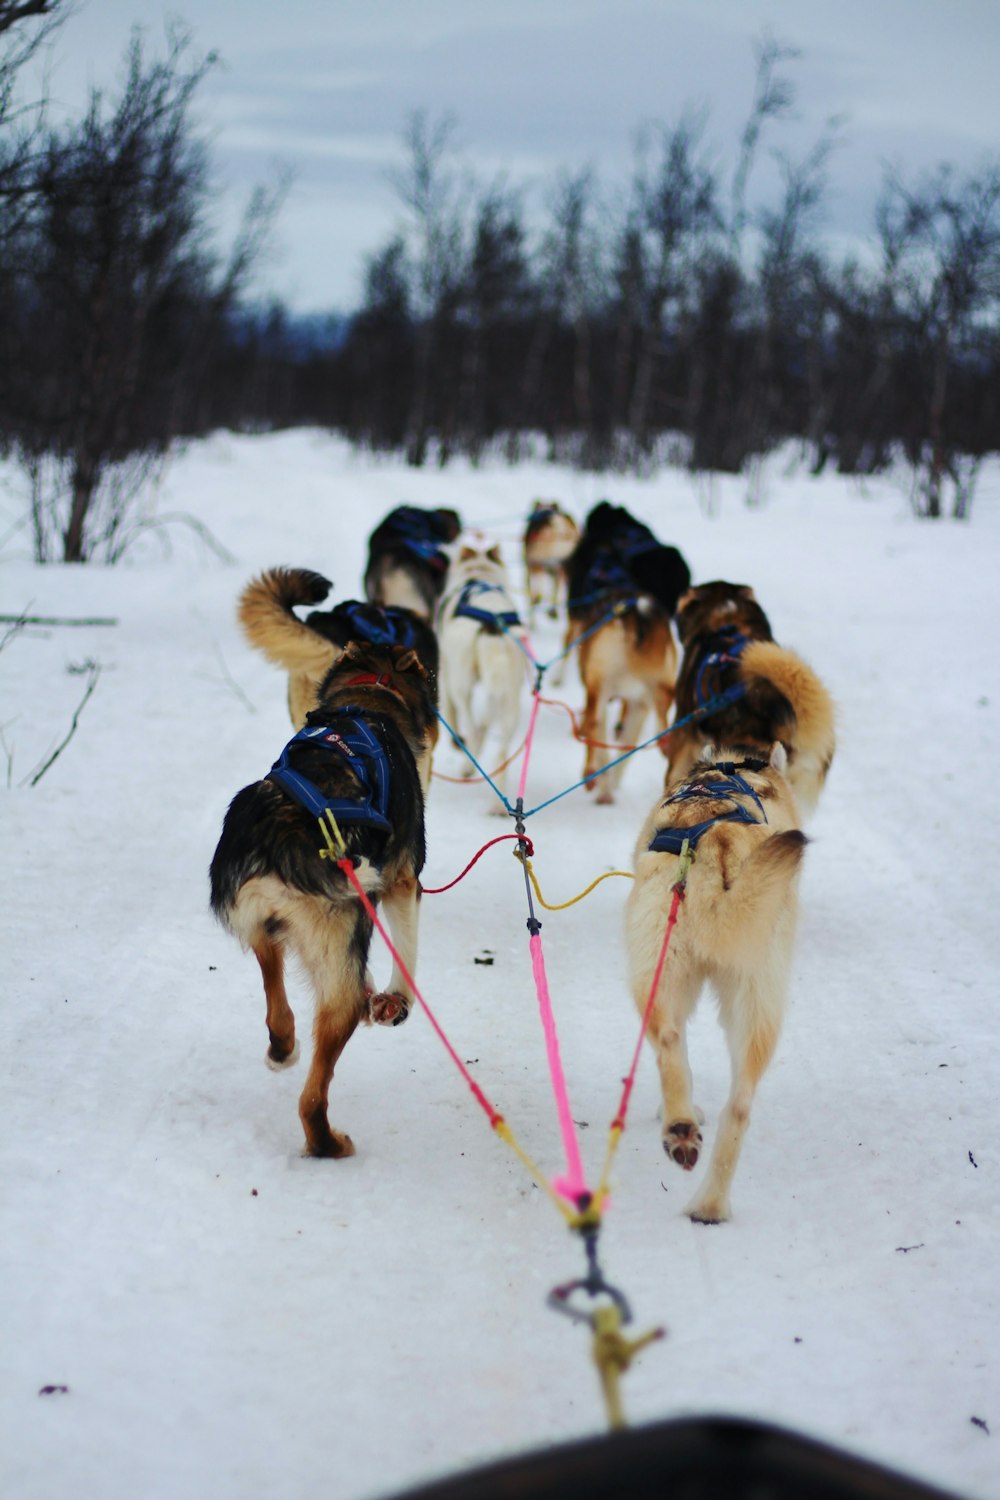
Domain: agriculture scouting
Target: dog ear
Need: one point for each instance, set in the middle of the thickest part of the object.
(410, 662)
(465, 552)
(494, 553)
(778, 758)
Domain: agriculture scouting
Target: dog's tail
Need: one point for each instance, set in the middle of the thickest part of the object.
(815, 729)
(266, 615)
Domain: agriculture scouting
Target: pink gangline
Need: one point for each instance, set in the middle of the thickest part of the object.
(573, 1185)
(480, 1097)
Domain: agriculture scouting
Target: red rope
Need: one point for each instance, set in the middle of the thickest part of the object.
(619, 1120)
(436, 890)
(495, 1116)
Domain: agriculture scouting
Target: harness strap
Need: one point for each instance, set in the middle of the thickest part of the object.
(368, 761)
(393, 629)
(493, 619)
(732, 786)
(733, 644)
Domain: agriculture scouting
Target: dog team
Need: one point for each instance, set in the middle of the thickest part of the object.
(747, 729)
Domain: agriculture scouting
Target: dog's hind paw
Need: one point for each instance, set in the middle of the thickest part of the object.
(278, 1063)
(708, 1211)
(682, 1143)
(388, 1008)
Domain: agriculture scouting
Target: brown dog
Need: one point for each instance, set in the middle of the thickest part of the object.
(623, 588)
(549, 540)
(729, 652)
(275, 888)
(735, 927)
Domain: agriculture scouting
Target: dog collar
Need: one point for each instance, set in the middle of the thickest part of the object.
(373, 679)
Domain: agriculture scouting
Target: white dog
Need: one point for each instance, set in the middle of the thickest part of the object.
(483, 666)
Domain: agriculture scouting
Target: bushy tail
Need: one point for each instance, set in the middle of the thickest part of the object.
(811, 752)
(265, 613)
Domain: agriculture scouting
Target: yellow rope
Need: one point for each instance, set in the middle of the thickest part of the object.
(562, 905)
(505, 1133)
(612, 1353)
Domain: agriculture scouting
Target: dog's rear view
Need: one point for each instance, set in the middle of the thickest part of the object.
(406, 558)
(735, 928)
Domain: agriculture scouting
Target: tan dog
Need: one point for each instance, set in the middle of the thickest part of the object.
(728, 650)
(483, 668)
(735, 927)
(549, 540)
(275, 891)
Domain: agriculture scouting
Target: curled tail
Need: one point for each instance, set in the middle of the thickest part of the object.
(266, 614)
(811, 751)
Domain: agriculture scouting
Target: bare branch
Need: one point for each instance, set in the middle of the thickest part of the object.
(94, 674)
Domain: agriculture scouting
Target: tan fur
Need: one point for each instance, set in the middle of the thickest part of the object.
(483, 673)
(546, 549)
(272, 628)
(735, 928)
(637, 666)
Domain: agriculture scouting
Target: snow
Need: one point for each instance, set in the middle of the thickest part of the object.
(233, 1319)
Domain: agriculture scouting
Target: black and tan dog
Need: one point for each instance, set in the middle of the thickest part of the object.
(407, 562)
(623, 589)
(735, 928)
(308, 648)
(767, 692)
(273, 888)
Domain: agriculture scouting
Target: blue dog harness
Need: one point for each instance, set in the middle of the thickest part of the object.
(349, 735)
(732, 785)
(732, 644)
(493, 619)
(414, 531)
(392, 629)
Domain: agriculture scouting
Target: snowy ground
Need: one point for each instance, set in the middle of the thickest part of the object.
(234, 1320)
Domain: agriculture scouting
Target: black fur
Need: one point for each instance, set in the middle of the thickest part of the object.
(617, 554)
(392, 544)
(339, 625)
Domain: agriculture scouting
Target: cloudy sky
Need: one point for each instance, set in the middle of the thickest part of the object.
(324, 87)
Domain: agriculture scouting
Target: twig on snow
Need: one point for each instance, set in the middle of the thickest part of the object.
(95, 672)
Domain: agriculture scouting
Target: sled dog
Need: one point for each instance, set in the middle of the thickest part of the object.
(308, 648)
(735, 927)
(623, 589)
(549, 539)
(407, 561)
(483, 668)
(729, 652)
(273, 888)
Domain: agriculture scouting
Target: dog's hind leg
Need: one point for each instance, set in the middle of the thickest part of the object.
(283, 1049)
(751, 1010)
(401, 906)
(334, 949)
(668, 1034)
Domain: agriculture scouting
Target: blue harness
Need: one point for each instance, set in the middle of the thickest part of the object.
(732, 646)
(414, 531)
(733, 785)
(353, 738)
(507, 619)
(609, 571)
(393, 629)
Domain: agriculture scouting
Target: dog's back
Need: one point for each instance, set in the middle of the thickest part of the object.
(407, 563)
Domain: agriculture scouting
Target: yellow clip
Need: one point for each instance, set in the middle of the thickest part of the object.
(335, 846)
(612, 1353)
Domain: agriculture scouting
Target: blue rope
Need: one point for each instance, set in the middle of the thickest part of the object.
(465, 749)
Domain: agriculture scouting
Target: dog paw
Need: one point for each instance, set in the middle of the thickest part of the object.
(332, 1144)
(682, 1143)
(277, 1060)
(388, 1008)
(708, 1211)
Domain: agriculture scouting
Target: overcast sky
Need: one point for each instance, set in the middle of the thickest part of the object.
(324, 87)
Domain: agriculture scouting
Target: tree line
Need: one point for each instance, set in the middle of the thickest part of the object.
(679, 324)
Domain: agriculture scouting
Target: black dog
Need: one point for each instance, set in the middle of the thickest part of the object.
(618, 557)
(406, 560)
